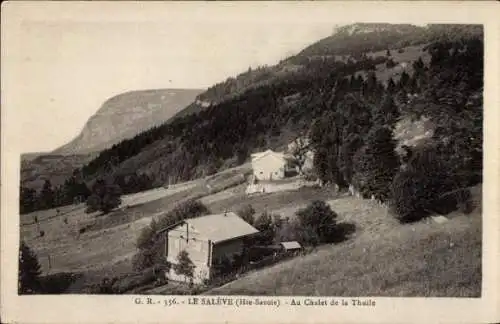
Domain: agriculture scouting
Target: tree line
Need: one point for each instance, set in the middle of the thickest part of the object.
(354, 140)
(351, 118)
(76, 190)
(201, 144)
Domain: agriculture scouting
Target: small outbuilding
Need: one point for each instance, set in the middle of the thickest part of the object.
(290, 247)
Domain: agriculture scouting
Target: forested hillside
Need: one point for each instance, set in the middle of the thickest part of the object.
(53, 167)
(350, 116)
(348, 42)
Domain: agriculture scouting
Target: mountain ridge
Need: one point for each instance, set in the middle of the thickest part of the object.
(119, 117)
(348, 41)
(125, 115)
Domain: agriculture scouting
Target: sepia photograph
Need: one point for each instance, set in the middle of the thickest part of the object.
(263, 158)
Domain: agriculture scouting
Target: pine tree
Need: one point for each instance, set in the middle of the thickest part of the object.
(391, 86)
(352, 143)
(418, 65)
(27, 200)
(403, 81)
(376, 164)
(59, 196)
(324, 140)
(425, 185)
(371, 84)
(387, 114)
(29, 270)
(413, 84)
(264, 224)
(47, 196)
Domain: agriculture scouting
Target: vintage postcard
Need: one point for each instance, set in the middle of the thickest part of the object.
(250, 162)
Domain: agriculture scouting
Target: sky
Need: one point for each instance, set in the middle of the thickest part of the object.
(62, 60)
(60, 70)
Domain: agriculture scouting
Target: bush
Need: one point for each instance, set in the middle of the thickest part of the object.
(309, 176)
(128, 283)
(188, 209)
(317, 222)
(105, 197)
(106, 286)
(409, 201)
(149, 257)
(222, 266)
(151, 246)
(428, 185)
(58, 283)
(266, 229)
(184, 267)
(290, 231)
(247, 214)
(390, 63)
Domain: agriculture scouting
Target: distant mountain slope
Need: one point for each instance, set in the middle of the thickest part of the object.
(126, 115)
(30, 156)
(56, 168)
(346, 42)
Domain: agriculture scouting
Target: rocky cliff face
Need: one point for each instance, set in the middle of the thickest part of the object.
(126, 115)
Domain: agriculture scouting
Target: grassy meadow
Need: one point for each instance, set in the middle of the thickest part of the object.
(103, 245)
(382, 258)
(408, 55)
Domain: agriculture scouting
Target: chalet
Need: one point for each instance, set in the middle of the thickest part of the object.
(269, 165)
(207, 240)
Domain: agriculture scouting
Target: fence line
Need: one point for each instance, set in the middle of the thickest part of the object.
(51, 217)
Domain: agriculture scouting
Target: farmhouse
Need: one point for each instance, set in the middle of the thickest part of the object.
(207, 240)
(269, 165)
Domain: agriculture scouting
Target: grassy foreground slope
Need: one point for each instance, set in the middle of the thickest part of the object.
(383, 258)
(75, 241)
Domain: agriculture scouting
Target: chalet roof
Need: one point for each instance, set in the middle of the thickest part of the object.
(291, 245)
(221, 227)
(259, 155)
